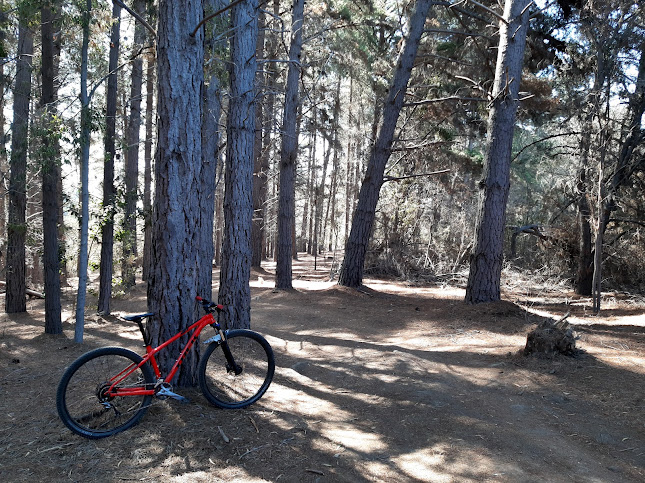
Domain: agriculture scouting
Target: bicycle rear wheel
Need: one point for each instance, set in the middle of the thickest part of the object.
(233, 388)
(81, 400)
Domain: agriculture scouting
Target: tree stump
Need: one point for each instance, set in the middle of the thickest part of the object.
(551, 338)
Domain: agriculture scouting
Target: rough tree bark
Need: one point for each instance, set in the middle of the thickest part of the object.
(351, 274)
(130, 252)
(107, 227)
(235, 272)
(50, 167)
(177, 273)
(288, 153)
(488, 254)
(15, 299)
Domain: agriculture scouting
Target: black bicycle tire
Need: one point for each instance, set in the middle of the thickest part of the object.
(233, 335)
(71, 371)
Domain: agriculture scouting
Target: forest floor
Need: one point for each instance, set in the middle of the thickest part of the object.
(396, 383)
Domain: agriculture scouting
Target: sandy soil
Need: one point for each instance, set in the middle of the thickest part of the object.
(396, 382)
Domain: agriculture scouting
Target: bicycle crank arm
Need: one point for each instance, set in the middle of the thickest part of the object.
(165, 392)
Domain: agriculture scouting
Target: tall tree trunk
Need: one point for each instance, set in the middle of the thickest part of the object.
(305, 210)
(349, 191)
(319, 235)
(130, 252)
(235, 273)
(584, 275)
(620, 174)
(351, 274)
(86, 125)
(147, 170)
(488, 251)
(334, 145)
(50, 166)
(288, 154)
(15, 300)
(211, 113)
(4, 167)
(260, 168)
(311, 188)
(177, 272)
(107, 226)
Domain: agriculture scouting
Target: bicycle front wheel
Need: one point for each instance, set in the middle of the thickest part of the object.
(82, 402)
(237, 386)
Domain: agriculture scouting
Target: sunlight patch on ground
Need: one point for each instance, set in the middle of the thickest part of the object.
(423, 464)
(298, 401)
(207, 477)
(398, 287)
(635, 320)
(351, 437)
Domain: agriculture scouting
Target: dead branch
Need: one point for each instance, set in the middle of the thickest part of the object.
(400, 178)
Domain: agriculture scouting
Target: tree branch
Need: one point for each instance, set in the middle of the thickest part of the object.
(136, 16)
(542, 140)
(104, 78)
(458, 32)
(443, 99)
(492, 12)
(400, 178)
(219, 12)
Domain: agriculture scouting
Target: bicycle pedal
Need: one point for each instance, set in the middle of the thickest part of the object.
(165, 392)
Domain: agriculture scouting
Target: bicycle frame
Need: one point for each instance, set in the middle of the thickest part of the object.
(151, 352)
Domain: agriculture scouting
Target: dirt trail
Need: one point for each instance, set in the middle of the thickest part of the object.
(394, 383)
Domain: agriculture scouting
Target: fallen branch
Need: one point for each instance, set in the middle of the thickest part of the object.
(28, 291)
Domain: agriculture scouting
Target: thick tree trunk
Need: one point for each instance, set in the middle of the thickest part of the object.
(107, 228)
(130, 252)
(235, 272)
(177, 273)
(351, 274)
(488, 251)
(50, 167)
(288, 155)
(15, 300)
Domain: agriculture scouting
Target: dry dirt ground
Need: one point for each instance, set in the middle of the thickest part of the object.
(394, 383)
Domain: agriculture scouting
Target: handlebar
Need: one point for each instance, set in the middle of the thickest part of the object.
(207, 305)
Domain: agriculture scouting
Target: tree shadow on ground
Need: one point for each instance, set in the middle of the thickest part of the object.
(367, 388)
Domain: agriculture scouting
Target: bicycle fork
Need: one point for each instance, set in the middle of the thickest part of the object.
(231, 365)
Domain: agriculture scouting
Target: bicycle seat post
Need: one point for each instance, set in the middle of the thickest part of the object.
(144, 332)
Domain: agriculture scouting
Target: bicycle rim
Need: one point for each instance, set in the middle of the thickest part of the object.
(80, 399)
(220, 383)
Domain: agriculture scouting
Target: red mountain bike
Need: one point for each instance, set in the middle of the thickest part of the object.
(108, 390)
